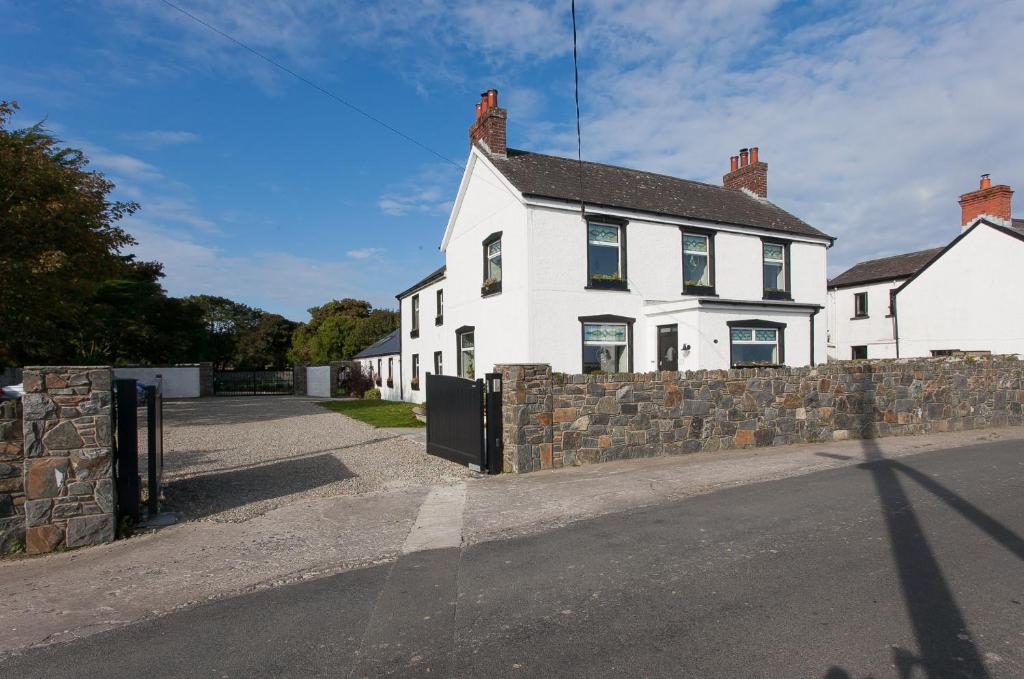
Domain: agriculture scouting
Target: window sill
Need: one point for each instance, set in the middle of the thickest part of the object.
(490, 290)
(439, 320)
(858, 318)
(699, 290)
(414, 386)
(780, 295)
(391, 384)
(620, 285)
(757, 365)
(414, 334)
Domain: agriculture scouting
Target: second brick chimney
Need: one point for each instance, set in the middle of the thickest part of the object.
(993, 202)
(746, 171)
(489, 126)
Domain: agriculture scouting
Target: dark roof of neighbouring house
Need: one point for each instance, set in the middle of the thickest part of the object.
(1017, 224)
(430, 278)
(884, 269)
(536, 174)
(389, 344)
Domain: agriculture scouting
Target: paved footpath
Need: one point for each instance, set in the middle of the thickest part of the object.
(625, 569)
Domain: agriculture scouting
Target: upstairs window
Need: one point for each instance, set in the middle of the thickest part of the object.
(606, 256)
(492, 265)
(756, 343)
(860, 305)
(415, 332)
(698, 263)
(439, 317)
(775, 266)
(605, 347)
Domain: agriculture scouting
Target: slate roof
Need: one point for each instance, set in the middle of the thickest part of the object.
(536, 174)
(389, 344)
(1018, 225)
(427, 280)
(884, 269)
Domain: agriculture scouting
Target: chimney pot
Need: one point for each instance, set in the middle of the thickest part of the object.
(986, 181)
(743, 158)
(734, 163)
(746, 172)
(993, 202)
(489, 127)
(753, 155)
(479, 110)
(492, 98)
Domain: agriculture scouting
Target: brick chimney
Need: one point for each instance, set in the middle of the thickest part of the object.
(988, 201)
(746, 171)
(489, 127)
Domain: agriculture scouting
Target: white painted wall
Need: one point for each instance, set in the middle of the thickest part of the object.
(378, 365)
(318, 381)
(875, 332)
(178, 382)
(967, 299)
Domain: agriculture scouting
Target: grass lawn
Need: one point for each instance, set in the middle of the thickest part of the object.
(377, 413)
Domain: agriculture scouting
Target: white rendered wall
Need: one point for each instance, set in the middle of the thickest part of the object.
(967, 299)
(432, 337)
(875, 332)
(318, 381)
(178, 382)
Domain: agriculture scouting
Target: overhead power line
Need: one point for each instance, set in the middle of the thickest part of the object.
(307, 81)
(579, 136)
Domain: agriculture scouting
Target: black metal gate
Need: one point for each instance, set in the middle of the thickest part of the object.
(464, 420)
(126, 447)
(253, 382)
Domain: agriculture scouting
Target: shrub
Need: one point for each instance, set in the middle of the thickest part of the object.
(372, 394)
(357, 382)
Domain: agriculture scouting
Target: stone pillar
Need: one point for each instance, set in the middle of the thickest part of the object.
(206, 379)
(299, 379)
(69, 482)
(526, 407)
(12, 483)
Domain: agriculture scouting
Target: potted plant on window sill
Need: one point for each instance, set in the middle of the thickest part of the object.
(391, 383)
(491, 286)
(605, 281)
(776, 293)
(697, 287)
(415, 384)
(376, 381)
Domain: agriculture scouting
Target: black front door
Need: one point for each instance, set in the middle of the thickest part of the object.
(668, 347)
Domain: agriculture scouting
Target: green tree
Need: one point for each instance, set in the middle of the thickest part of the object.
(266, 344)
(340, 329)
(59, 242)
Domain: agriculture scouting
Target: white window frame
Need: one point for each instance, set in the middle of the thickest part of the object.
(777, 343)
(463, 350)
(415, 313)
(603, 244)
(771, 260)
(707, 256)
(595, 343)
(490, 256)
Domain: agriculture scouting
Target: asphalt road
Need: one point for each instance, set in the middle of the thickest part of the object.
(909, 568)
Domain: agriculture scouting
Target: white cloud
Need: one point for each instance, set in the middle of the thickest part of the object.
(122, 164)
(430, 191)
(156, 138)
(365, 253)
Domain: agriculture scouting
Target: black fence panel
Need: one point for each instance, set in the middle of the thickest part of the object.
(126, 444)
(253, 382)
(455, 419)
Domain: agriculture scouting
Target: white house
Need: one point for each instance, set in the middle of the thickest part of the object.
(938, 301)
(382, 361)
(648, 272)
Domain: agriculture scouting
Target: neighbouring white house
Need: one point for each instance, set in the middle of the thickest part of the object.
(939, 301)
(382, 361)
(646, 272)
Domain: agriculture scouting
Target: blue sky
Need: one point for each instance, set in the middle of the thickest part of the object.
(873, 118)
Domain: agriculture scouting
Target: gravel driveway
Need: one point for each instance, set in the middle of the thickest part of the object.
(233, 458)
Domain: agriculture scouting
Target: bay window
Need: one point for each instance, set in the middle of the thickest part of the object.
(756, 343)
(698, 262)
(607, 344)
(606, 255)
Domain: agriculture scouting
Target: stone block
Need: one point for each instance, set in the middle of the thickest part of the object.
(90, 530)
(46, 477)
(607, 405)
(63, 437)
(43, 539)
(744, 437)
(564, 415)
(91, 464)
(546, 461)
(37, 512)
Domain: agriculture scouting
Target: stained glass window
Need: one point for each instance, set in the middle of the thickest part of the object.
(604, 252)
(605, 347)
(774, 267)
(754, 346)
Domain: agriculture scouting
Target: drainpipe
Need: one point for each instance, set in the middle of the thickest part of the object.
(895, 322)
(811, 317)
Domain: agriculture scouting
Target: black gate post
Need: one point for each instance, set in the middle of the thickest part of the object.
(127, 450)
(493, 446)
(155, 444)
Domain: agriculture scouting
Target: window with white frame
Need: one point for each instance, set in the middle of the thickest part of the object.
(697, 264)
(467, 356)
(604, 252)
(415, 371)
(415, 313)
(493, 254)
(755, 346)
(439, 317)
(774, 265)
(438, 363)
(605, 347)
(860, 305)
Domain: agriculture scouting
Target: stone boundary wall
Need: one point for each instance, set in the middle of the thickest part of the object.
(555, 420)
(69, 486)
(12, 482)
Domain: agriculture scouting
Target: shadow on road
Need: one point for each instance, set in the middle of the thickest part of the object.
(946, 645)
